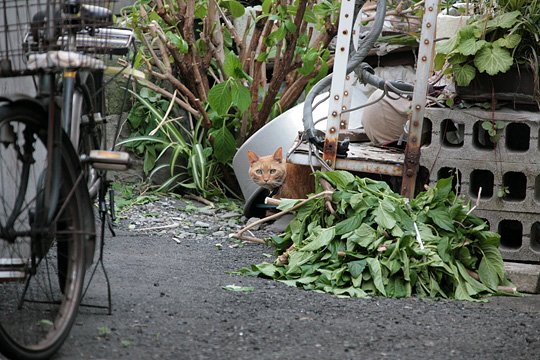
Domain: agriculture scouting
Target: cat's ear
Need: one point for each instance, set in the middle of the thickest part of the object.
(252, 157)
(278, 154)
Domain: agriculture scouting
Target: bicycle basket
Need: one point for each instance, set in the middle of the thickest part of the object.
(48, 35)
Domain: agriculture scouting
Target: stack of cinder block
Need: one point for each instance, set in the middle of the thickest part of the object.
(503, 173)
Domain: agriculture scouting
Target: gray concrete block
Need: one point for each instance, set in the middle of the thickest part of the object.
(520, 234)
(526, 277)
(519, 141)
(513, 163)
(503, 174)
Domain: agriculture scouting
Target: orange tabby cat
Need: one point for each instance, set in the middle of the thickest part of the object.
(272, 172)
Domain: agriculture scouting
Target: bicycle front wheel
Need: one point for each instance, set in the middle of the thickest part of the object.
(42, 262)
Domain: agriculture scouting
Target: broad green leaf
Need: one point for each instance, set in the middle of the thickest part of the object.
(509, 41)
(443, 189)
(397, 287)
(435, 288)
(239, 288)
(489, 238)
(426, 233)
(441, 218)
(309, 16)
(236, 8)
(287, 204)
(262, 57)
(296, 260)
(149, 160)
(267, 269)
(470, 46)
(488, 274)
(464, 74)
(178, 41)
(321, 240)
(443, 248)
(363, 236)
(266, 6)
(356, 268)
(487, 125)
(200, 10)
(241, 97)
(504, 20)
(351, 291)
(349, 224)
(457, 59)
(384, 214)
(220, 98)
(375, 270)
(440, 60)
(445, 47)
(469, 31)
(493, 60)
(224, 144)
(393, 265)
(339, 179)
(357, 200)
(461, 293)
(473, 286)
(491, 269)
(290, 26)
(307, 279)
(276, 36)
(232, 64)
(464, 255)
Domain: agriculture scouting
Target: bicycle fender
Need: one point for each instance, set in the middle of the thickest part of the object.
(24, 100)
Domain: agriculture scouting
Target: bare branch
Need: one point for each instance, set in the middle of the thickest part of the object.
(230, 26)
(279, 74)
(239, 233)
(214, 28)
(168, 95)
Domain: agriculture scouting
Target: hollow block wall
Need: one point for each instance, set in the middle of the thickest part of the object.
(457, 143)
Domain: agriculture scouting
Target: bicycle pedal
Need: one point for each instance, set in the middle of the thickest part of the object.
(108, 160)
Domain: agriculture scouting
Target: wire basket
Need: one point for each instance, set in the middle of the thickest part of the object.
(49, 35)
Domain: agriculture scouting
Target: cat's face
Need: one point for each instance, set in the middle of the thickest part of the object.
(267, 171)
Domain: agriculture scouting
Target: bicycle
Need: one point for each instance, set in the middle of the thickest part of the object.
(52, 165)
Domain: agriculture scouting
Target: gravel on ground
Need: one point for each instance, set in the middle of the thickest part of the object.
(169, 268)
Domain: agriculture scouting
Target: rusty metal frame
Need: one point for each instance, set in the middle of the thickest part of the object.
(338, 91)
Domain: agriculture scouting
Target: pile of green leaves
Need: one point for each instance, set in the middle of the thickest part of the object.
(370, 246)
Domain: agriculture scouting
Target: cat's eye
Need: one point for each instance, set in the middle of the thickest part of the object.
(258, 172)
(273, 171)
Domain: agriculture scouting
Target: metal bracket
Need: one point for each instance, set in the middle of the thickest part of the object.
(423, 72)
(340, 96)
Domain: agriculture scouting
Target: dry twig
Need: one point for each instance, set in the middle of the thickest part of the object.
(200, 199)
